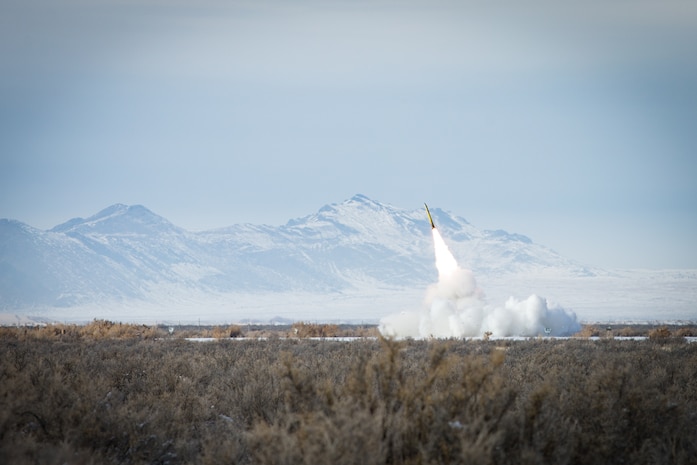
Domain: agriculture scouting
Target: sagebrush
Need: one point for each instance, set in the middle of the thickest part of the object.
(292, 401)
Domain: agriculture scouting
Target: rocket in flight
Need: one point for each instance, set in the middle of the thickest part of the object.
(433, 226)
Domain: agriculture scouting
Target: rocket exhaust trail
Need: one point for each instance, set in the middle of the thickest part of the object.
(455, 307)
(445, 262)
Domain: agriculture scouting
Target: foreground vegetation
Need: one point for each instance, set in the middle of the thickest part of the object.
(133, 396)
(103, 329)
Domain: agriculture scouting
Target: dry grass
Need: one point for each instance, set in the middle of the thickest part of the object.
(302, 330)
(71, 398)
(96, 330)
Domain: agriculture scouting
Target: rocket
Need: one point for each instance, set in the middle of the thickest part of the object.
(433, 226)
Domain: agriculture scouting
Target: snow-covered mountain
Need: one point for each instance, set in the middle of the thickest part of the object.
(128, 252)
(358, 260)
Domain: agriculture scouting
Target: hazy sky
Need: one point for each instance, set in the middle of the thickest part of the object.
(574, 123)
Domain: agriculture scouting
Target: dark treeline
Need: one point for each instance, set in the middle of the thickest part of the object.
(287, 401)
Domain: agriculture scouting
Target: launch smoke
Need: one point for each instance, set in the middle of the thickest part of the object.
(455, 307)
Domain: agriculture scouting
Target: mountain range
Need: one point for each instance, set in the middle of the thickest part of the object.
(359, 259)
(126, 252)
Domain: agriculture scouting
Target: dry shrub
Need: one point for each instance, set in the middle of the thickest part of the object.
(103, 329)
(689, 331)
(95, 330)
(359, 331)
(57, 331)
(219, 332)
(588, 331)
(392, 407)
(660, 333)
(166, 400)
(630, 331)
(232, 331)
(303, 330)
(598, 402)
(235, 331)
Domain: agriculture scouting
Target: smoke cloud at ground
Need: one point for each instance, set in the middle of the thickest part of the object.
(456, 307)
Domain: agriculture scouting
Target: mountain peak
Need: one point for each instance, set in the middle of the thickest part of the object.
(360, 198)
(118, 218)
(7, 225)
(111, 209)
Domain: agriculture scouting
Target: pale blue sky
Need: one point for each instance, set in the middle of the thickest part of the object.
(574, 123)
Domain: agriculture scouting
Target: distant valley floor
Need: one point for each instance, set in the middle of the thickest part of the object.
(621, 296)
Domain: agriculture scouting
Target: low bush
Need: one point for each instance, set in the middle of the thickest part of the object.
(167, 400)
(97, 329)
(233, 331)
(660, 333)
(313, 330)
(588, 331)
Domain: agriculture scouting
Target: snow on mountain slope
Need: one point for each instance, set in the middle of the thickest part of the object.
(120, 219)
(129, 257)
(125, 251)
(39, 267)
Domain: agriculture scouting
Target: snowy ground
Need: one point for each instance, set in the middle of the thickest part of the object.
(621, 296)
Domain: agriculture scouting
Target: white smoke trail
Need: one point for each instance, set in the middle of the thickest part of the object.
(456, 307)
(445, 262)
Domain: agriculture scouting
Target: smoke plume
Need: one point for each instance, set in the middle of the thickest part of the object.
(456, 307)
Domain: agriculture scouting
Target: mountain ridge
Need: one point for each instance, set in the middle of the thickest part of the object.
(129, 252)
